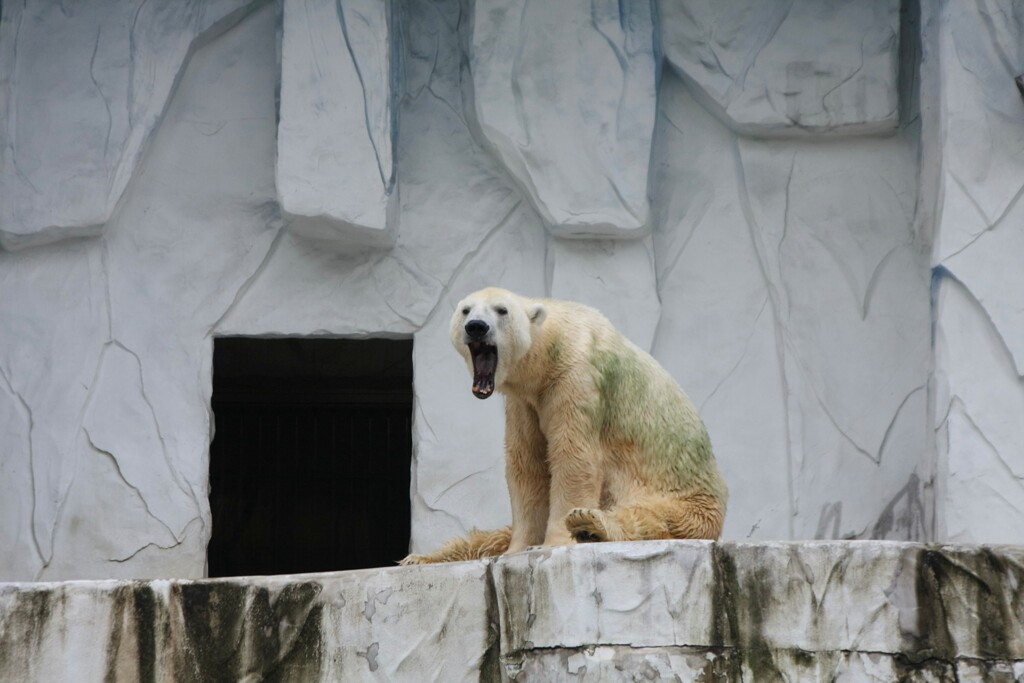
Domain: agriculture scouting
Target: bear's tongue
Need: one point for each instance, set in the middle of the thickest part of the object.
(485, 361)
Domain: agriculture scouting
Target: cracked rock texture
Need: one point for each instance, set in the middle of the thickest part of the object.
(822, 201)
(796, 262)
(836, 611)
(565, 98)
(976, 180)
(83, 87)
(335, 141)
(788, 67)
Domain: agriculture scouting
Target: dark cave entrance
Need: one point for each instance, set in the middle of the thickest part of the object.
(309, 468)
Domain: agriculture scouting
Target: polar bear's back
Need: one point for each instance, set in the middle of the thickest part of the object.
(645, 418)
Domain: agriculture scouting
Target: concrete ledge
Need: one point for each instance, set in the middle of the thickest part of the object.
(860, 610)
(396, 624)
(866, 610)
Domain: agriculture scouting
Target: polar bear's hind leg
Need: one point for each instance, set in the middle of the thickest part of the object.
(587, 525)
(658, 516)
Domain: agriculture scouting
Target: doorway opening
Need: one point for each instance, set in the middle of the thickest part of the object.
(309, 466)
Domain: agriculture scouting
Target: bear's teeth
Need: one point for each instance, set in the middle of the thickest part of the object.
(483, 389)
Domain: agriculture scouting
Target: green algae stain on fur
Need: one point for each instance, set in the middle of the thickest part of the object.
(622, 387)
(555, 351)
(633, 407)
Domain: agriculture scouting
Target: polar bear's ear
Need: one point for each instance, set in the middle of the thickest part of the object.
(537, 313)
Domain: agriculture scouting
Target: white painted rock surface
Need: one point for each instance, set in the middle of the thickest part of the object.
(45, 388)
(83, 87)
(335, 142)
(565, 98)
(112, 371)
(976, 154)
(616, 277)
(788, 67)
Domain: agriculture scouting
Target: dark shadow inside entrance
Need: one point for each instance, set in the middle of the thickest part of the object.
(309, 468)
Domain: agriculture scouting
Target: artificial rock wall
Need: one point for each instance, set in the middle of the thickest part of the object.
(804, 209)
(973, 179)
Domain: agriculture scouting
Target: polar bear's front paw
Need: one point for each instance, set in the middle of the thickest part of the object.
(586, 525)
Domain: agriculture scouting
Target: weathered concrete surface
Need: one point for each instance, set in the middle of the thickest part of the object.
(848, 611)
(374, 625)
(761, 611)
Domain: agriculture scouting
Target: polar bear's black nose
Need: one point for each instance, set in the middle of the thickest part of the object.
(477, 329)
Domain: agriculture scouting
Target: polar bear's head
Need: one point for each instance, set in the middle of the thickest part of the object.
(493, 330)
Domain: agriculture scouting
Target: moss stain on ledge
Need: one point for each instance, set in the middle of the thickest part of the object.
(24, 622)
(229, 631)
(135, 617)
(703, 611)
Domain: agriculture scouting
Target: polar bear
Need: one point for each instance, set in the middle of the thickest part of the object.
(601, 444)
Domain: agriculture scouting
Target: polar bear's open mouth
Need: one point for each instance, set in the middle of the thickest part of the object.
(485, 362)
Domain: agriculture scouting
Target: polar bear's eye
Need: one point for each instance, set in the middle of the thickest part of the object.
(501, 310)
(465, 311)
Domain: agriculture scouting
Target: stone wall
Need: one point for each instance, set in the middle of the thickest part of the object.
(807, 229)
(974, 182)
(832, 611)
